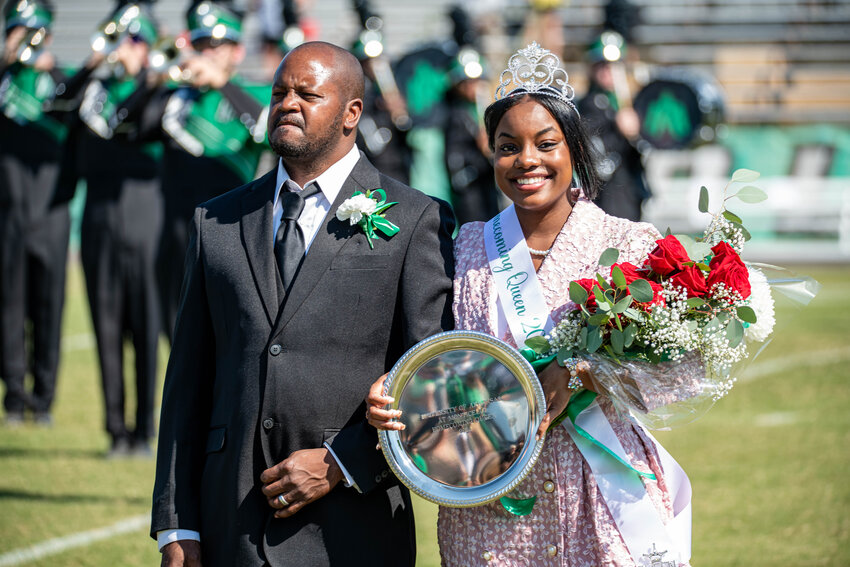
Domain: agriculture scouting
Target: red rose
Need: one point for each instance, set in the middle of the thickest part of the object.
(727, 267)
(587, 284)
(632, 273)
(692, 279)
(668, 256)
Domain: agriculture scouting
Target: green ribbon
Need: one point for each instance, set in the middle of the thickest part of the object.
(518, 506)
(376, 221)
(579, 402)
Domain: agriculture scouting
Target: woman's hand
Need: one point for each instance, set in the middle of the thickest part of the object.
(554, 379)
(378, 417)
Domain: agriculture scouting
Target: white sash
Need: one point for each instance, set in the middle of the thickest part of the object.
(520, 298)
(519, 292)
(626, 497)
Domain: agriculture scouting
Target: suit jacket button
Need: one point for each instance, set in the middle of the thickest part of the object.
(275, 349)
(268, 423)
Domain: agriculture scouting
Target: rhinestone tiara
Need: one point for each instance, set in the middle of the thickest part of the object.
(535, 70)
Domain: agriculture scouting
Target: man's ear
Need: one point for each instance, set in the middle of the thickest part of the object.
(353, 111)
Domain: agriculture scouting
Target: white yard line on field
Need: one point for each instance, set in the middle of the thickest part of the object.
(79, 539)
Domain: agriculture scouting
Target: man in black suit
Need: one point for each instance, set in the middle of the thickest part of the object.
(264, 452)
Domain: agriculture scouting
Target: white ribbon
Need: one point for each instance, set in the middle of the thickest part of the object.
(521, 300)
(626, 497)
(519, 292)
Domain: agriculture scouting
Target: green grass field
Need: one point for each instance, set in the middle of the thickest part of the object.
(769, 464)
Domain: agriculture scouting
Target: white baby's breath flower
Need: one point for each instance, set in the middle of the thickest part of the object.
(353, 208)
(762, 303)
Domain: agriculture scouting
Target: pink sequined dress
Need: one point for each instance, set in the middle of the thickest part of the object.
(570, 524)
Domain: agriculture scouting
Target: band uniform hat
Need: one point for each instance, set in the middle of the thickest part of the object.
(467, 64)
(134, 19)
(215, 21)
(608, 46)
(32, 14)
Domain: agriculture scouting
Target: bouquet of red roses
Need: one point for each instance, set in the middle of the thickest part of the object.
(664, 337)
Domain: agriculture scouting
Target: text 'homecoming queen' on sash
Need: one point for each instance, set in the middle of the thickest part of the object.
(520, 298)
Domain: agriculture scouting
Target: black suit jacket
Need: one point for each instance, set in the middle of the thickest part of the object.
(252, 378)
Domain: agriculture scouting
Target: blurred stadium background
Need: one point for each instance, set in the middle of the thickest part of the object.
(769, 467)
(782, 67)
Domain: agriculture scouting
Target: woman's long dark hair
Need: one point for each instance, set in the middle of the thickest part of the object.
(581, 152)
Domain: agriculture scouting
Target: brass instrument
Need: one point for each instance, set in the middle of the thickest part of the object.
(373, 47)
(112, 32)
(166, 58)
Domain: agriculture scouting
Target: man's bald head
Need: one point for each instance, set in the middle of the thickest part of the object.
(316, 102)
(347, 72)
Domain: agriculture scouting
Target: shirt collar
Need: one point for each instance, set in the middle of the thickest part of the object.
(330, 181)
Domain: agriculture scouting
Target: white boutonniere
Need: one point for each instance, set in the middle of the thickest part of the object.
(367, 211)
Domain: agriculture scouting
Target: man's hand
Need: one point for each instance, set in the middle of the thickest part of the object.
(206, 72)
(182, 553)
(301, 478)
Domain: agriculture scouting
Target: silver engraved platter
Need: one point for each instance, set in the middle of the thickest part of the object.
(471, 405)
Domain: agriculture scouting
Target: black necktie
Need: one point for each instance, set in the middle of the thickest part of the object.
(289, 241)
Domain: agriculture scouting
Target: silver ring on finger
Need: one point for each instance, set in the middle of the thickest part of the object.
(282, 500)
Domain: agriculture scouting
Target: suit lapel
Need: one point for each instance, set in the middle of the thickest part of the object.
(328, 241)
(258, 236)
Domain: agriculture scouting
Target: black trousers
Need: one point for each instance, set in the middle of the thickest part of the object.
(120, 236)
(34, 234)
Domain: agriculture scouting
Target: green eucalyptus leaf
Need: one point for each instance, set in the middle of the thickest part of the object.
(617, 341)
(732, 217)
(641, 291)
(618, 277)
(699, 250)
(695, 302)
(632, 314)
(582, 338)
(747, 314)
(602, 283)
(745, 175)
(734, 332)
(622, 305)
(751, 194)
(703, 199)
(746, 233)
(578, 294)
(594, 339)
(538, 344)
(712, 325)
(629, 334)
(598, 319)
(668, 232)
(609, 257)
(564, 354)
(603, 305)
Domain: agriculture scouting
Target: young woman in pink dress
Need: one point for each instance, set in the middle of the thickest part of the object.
(542, 158)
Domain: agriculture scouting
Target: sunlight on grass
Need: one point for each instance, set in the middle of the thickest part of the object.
(768, 463)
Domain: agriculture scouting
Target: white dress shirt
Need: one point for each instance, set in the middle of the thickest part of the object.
(316, 208)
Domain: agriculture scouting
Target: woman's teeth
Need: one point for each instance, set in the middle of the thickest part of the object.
(530, 180)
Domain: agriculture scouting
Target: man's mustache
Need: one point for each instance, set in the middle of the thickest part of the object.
(290, 120)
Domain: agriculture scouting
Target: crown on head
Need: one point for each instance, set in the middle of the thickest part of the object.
(535, 70)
